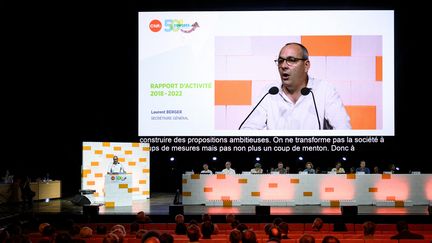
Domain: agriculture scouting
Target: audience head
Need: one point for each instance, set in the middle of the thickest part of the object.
(206, 217)
(267, 228)
(275, 233)
(249, 236)
(86, 232)
(150, 236)
(142, 217)
(119, 227)
(242, 227)
(111, 238)
(277, 221)
(234, 224)
(193, 233)
(368, 228)
(42, 226)
(307, 239)
(193, 221)
(152, 240)
(48, 231)
(207, 229)
(284, 228)
(179, 218)
(317, 224)
(330, 239)
(235, 236)
(166, 238)
(120, 234)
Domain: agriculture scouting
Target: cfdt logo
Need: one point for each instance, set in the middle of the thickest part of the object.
(155, 25)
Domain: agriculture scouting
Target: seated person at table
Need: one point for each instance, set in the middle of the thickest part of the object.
(206, 170)
(280, 168)
(309, 168)
(116, 167)
(228, 170)
(257, 169)
(363, 168)
(376, 170)
(338, 168)
(393, 169)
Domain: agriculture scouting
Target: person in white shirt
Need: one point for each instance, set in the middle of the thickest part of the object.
(257, 169)
(338, 168)
(228, 170)
(206, 170)
(116, 167)
(289, 109)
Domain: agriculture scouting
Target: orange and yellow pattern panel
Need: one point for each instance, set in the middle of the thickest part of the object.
(97, 159)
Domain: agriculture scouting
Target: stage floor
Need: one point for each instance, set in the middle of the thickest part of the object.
(158, 205)
(160, 202)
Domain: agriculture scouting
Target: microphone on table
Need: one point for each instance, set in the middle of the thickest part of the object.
(273, 90)
(305, 91)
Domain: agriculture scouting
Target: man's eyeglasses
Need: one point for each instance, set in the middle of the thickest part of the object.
(289, 60)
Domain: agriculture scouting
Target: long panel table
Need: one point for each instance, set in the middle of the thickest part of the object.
(301, 189)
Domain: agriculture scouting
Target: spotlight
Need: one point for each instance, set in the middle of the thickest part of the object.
(344, 158)
(300, 158)
(214, 158)
(172, 159)
(257, 158)
(397, 168)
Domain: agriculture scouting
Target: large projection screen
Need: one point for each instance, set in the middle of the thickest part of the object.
(201, 73)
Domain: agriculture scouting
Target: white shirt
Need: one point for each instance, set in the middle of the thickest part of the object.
(257, 171)
(229, 171)
(209, 172)
(117, 168)
(338, 171)
(278, 112)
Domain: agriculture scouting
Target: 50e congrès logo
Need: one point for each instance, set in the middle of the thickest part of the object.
(172, 25)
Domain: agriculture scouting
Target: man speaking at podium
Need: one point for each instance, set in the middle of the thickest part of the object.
(116, 167)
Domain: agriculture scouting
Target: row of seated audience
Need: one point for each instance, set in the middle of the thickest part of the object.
(274, 232)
